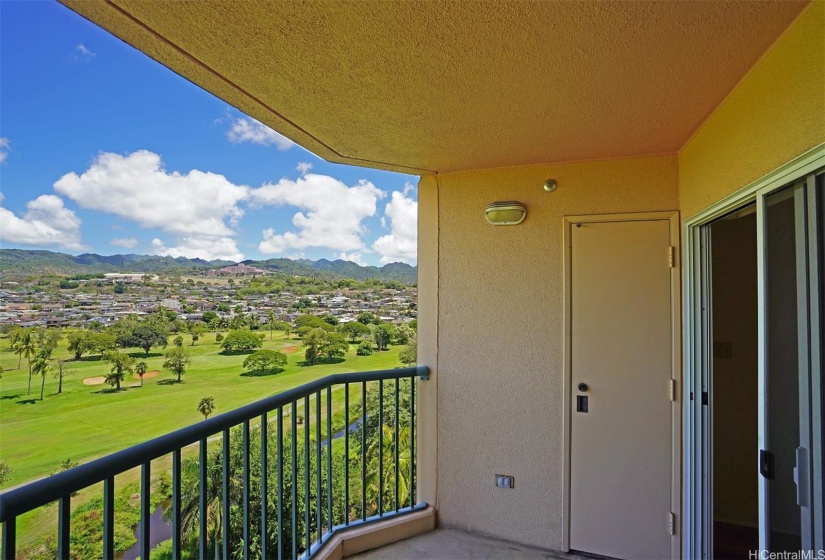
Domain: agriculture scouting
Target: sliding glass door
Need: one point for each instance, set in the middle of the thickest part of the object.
(790, 260)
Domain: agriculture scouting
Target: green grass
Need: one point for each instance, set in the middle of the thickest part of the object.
(85, 422)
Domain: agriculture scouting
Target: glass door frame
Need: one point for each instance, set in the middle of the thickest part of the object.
(697, 487)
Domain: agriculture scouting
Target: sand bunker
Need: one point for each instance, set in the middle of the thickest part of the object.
(148, 374)
(289, 349)
(94, 381)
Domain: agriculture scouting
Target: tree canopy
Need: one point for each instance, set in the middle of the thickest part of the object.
(324, 345)
(241, 340)
(144, 335)
(176, 361)
(265, 361)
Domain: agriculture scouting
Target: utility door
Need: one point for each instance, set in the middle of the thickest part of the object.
(621, 425)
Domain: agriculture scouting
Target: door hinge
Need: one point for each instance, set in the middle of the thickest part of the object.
(671, 390)
(671, 523)
(671, 256)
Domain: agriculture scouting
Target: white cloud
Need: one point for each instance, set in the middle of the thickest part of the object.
(84, 51)
(128, 242)
(355, 257)
(4, 149)
(401, 245)
(303, 167)
(247, 129)
(199, 208)
(331, 216)
(209, 249)
(46, 223)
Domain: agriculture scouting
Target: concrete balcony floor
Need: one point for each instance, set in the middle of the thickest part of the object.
(450, 544)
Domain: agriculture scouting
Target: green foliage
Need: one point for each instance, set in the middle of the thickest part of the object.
(368, 318)
(409, 355)
(241, 340)
(382, 335)
(120, 288)
(330, 318)
(354, 330)
(364, 349)
(324, 345)
(209, 316)
(67, 284)
(80, 342)
(121, 365)
(178, 341)
(312, 322)
(219, 338)
(402, 335)
(176, 361)
(5, 472)
(264, 361)
(144, 335)
(206, 406)
(140, 369)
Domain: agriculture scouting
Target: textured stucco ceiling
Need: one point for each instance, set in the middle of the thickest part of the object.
(449, 86)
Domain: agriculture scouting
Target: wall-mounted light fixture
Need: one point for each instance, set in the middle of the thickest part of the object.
(508, 213)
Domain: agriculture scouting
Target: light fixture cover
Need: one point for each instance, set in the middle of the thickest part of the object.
(507, 213)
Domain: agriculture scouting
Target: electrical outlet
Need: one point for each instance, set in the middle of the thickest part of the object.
(504, 481)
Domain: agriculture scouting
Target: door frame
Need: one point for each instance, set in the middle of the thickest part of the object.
(697, 516)
(676, 362)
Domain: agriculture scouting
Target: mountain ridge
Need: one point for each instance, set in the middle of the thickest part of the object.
(30, 261)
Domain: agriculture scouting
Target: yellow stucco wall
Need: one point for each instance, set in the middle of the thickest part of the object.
(492, 297)
(500, 334)
(776, 113)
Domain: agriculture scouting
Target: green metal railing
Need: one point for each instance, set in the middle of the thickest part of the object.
(319, 518)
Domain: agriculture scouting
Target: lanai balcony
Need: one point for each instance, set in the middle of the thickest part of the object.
(565, 398)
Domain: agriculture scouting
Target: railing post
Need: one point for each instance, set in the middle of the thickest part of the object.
(176, 502)
(318, 509)
(346, 453)
(109, 518)
(202, 495)
(294, 459)
(364, 451)
(145, 508)
(280, 475)
(225, 443)
(64, 516)
(380, 447)
(264, 485)
(412, 442)
(246, 478)
(330, 522)
(307, 476)
(10, 539)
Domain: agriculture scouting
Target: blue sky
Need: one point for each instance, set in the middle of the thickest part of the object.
(104, 150)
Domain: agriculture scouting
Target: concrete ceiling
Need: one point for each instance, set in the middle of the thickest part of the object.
(447, 86)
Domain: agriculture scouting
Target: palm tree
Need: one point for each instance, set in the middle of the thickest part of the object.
(387, 455)
(270, 320)
(28, 349)
(140, 370)
(206, 406)
(42, 365)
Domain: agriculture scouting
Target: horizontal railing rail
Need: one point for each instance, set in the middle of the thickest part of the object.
(373, 447)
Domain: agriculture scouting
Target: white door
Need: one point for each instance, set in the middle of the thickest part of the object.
(621, 412)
